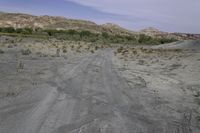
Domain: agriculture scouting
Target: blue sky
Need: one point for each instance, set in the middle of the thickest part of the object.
(167, 15)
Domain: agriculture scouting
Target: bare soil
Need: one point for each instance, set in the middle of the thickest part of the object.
(132, 90)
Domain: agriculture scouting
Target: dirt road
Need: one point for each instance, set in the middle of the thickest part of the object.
(90, 95)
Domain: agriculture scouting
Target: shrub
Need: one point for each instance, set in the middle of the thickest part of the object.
(58, 52)
(120, 49)
(26, 52)
(19, 30)
(27, 31)
(1, 51)
(85, 33)
(10, 46)
(71, 32)
(20, 65)
(96, 47)
(72, 46)
(166, 40)
(92, 51)
(8, 30)
(64, 50)
(144, 38)
(105, 35)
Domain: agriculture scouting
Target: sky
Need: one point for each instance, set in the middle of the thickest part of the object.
(166, 15)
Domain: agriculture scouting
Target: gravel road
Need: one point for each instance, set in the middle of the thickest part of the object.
(89, 95)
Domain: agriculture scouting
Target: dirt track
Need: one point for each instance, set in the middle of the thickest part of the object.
(92, 94)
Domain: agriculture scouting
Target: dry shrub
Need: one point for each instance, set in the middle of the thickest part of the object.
(120, 49)
(26, 52)
(20, 65)
(96, 48)
(92, 51)
(1, 51)
(65, 50)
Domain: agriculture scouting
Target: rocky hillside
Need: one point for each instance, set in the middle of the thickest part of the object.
(160, 34)
(18, 20)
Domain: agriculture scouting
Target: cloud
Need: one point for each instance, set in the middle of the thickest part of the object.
(173, 15)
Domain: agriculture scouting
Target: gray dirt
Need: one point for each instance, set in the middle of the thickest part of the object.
(92, 94)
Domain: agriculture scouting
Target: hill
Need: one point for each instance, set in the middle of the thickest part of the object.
(18, 20)
(153, 32)
(56, 23)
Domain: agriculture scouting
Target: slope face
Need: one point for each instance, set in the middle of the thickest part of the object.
(24, 20)
(187, 44)
(154, 32)
(17, 20)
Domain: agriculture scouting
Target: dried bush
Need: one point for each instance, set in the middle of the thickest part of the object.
(26, 52)
(1, 51)
(20, 65)
(92, 51)
(65, 50)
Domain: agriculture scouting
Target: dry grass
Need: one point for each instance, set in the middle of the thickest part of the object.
(144, 51)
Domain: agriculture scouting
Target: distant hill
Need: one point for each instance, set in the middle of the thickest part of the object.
(18, 20)
(151, 31)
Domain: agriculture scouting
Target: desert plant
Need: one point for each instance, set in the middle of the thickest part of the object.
(85, 33)
(92, 51)
(64, 50)
(96, 47)
(8, 30)
(105, 35)
(20, 65)
(1, 51)
(27, 31)
(72, 46)
(58, 52)
(10, 46)
(115, 53)
(26, 52)
(71, 32)
(120, 49)
(144, 38)
(78, 51)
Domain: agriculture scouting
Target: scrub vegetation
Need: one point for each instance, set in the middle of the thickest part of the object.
(84, 35)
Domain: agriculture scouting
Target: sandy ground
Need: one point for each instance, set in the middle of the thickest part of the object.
(108, 91)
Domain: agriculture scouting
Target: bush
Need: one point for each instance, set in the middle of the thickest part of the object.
(71, 32)
(64, 50)
(144, 38)
(120, 49)
(85, 33)
(96, 48)
(26, 52)
(8, 30)
(92, 51)
(20, 65)
(87, 36)
(166, 40)
(10, 46)
(105, 35)
(27, 31)
(50, 32)
(1, 51)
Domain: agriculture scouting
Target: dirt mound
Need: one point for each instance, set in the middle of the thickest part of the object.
(188, 44)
